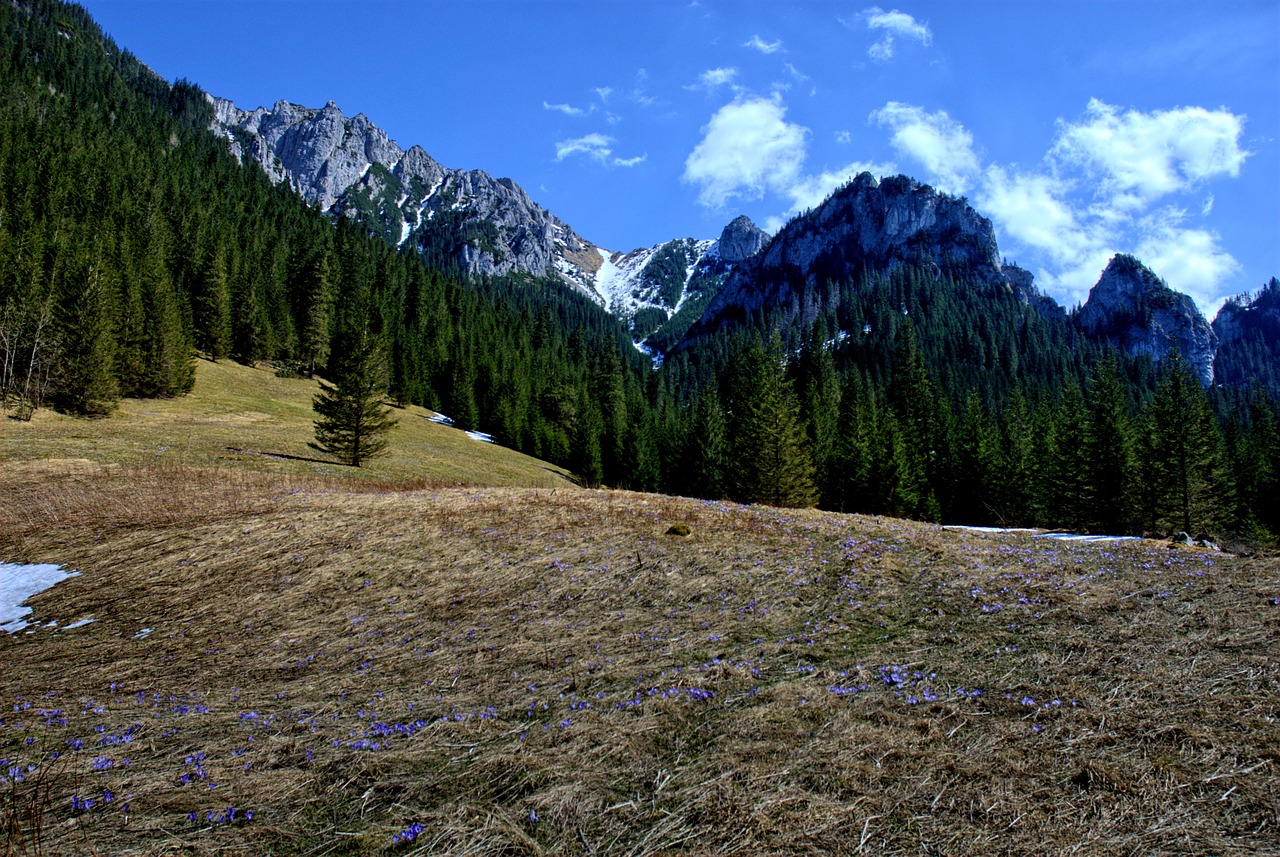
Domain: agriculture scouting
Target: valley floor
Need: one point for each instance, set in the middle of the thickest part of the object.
(277, 665)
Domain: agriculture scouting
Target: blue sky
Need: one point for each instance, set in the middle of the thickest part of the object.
(1080, 128)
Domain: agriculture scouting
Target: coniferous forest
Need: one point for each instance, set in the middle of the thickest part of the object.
(132, 241)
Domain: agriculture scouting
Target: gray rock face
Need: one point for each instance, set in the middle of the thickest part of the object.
(741, 239)
(1022, 282)
(349, 167)
(1136, 311)
(868, 223)
(886, 223)
(1248, 329)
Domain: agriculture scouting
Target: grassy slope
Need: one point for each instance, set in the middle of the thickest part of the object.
(532, 671)
(250, 417)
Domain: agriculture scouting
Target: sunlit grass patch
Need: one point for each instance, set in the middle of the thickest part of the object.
(247, 418)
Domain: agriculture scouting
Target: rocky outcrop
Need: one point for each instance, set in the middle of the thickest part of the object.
(660, 291)
(487, 226)
(1248, 330)
(1134, 310)
(866, 225)
(1022, 282)
(880, 224)
(349, 167)
(741, 240)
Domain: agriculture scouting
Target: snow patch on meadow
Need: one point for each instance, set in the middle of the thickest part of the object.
(20, 582)
(1065, 537)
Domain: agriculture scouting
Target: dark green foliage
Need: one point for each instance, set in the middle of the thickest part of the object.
(1250, 358)
(646, 322)
(918, 433)
(1185, 449)
(771, 461)
(130, 237)
(1106, 456)
(84, 382)
(664, 273)
(818, 389)
(353, 421)
(706, 453)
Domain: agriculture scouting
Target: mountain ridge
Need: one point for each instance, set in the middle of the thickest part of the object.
(684, 287)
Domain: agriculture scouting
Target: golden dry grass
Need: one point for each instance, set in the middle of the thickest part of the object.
(524, 671)
(249, 419)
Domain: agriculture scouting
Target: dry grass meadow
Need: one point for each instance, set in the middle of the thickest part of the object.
(284, 662)
(246, 418)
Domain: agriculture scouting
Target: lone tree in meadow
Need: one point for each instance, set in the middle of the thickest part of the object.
(353, 419)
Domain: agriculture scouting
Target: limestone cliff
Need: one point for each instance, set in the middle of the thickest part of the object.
(1135, 310)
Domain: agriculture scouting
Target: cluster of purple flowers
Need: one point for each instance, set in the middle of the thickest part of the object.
(409, 834)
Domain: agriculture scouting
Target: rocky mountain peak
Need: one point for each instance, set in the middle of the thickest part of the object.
(350, 167)
(741, 239)
(1136, 311)
(1248, 329)
(868, 224)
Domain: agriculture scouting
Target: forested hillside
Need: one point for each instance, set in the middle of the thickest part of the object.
(132, 240)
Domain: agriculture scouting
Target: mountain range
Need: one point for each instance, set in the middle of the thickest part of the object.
(682, 288)
(878, 353)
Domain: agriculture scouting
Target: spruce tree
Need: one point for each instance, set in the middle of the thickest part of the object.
(1186, 443)
(86, 382)
(770, 461)
(920, 433)
(353, 421)
(707, 447)
(1106, 451)
(310, 286)
(818, 389)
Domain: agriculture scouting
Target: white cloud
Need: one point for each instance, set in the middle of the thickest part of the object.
(937, 141)
(1095, 193)
(639, 93)
(566, 109)
(1191, 260)
(747, 148)
(795, 73)
(1033, 213)
(631, 162)
(762, 46)
(597, 147)
(892, 25)
(1063, 218)
(1142, 157)
(603, 93)
(713, 79)
(1032, 209)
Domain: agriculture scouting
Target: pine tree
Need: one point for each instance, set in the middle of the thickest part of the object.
(707, 447)
(1067, 505)
(920, 431)
(86, 382)
(1260, 466)
(353, 421)
(770, 461)
(1186, 443)
(310, 285)
(818, 389)
(211, 302)
(1106, 454)
(586, 458)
